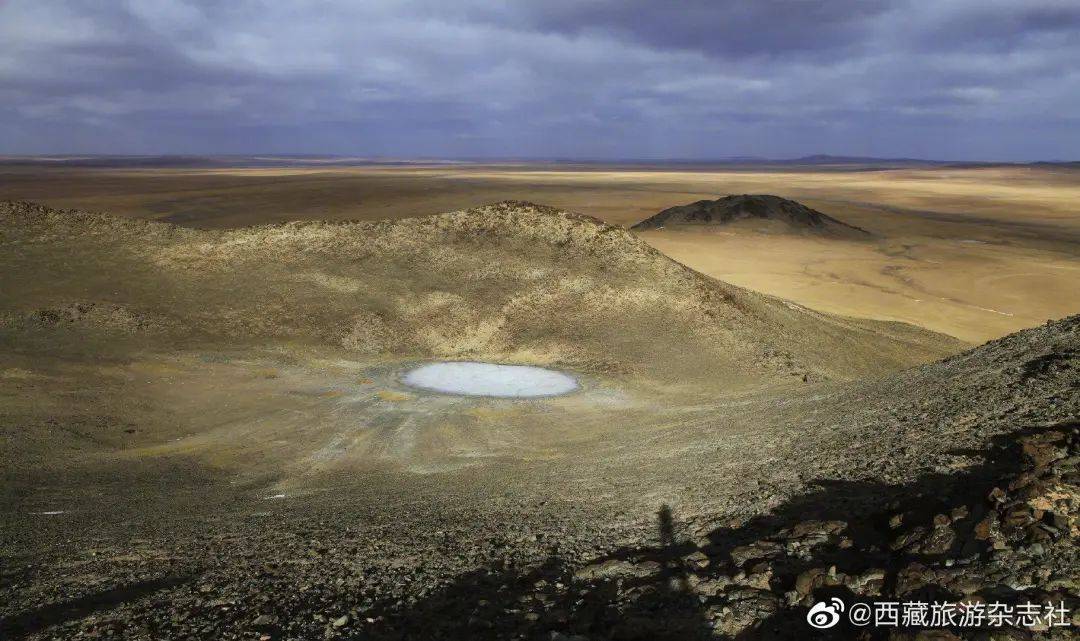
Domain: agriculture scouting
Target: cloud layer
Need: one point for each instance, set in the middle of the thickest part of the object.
(951, 79)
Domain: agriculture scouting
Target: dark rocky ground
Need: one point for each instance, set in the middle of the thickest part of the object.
(999, 526)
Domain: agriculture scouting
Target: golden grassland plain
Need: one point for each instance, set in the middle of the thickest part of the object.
(971, 252)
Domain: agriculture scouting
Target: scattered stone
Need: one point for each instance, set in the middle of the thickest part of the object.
(559, 636)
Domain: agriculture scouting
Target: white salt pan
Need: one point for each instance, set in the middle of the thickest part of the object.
(488, 379)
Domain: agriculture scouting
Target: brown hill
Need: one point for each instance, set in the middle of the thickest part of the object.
(787, 214)
(510, 282)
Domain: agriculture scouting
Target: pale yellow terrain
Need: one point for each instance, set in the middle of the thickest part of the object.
(972, 252)
(972, 291)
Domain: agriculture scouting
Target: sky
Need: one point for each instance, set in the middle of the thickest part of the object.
(586, 79)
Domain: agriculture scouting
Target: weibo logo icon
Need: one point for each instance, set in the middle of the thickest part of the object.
(825, 614)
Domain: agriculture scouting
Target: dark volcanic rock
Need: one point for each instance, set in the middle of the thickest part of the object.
(730, 209)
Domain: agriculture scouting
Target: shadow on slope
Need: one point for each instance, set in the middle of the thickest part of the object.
(975, 535)
(53, 614)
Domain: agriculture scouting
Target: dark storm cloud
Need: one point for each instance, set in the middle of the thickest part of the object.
(1001, 27)
(762, 28)
(592, 78)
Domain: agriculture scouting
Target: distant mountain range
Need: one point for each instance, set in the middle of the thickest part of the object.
(260, 160)
(313, 160)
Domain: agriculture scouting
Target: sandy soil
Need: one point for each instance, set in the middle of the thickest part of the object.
(974, 290)
(974, 253)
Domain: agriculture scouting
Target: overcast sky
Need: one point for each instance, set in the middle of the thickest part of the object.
(944, 79)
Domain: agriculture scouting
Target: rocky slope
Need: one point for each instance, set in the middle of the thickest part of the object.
(787, 215)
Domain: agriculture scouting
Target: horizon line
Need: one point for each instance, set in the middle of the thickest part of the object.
(824, 159)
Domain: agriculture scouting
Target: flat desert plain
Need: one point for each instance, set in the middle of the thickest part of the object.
(975, 253)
